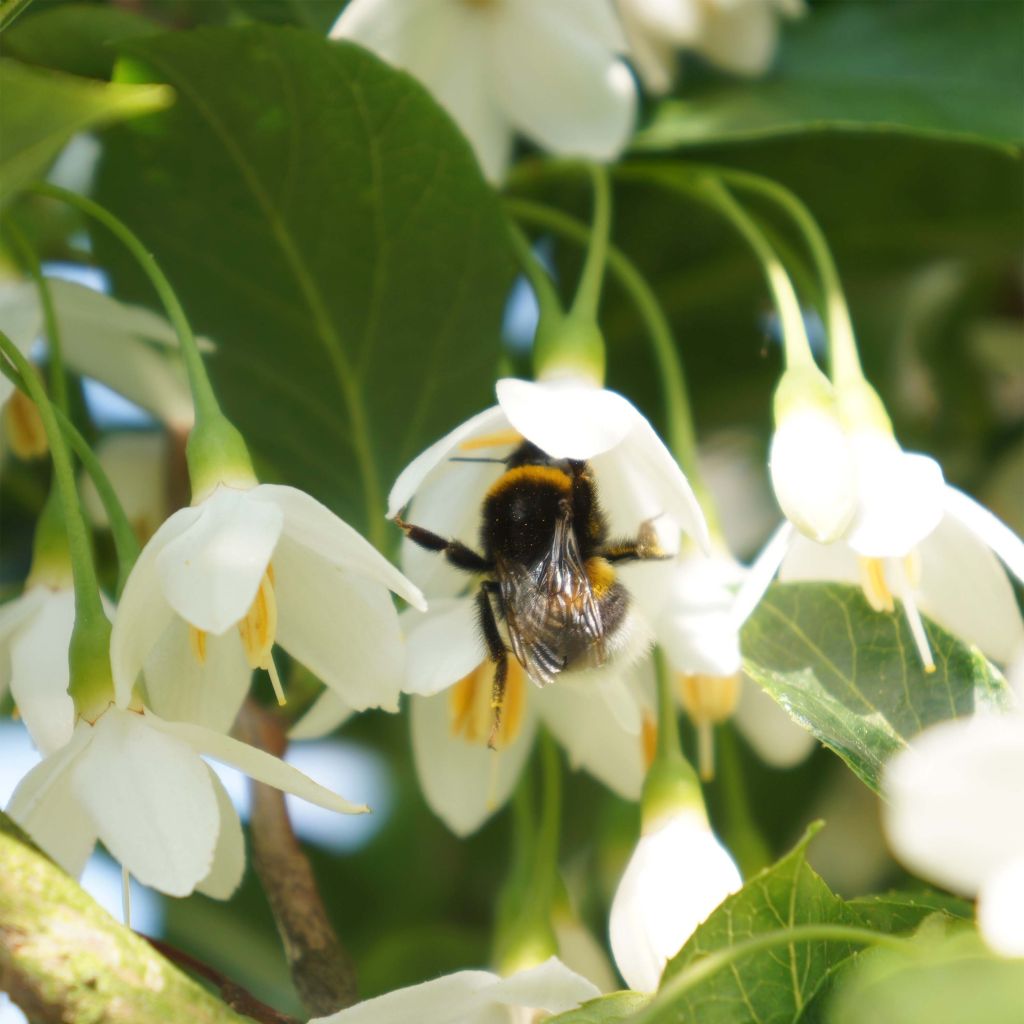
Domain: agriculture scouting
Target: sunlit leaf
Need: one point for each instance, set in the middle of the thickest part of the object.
(948, 69)
(853, 676)
(326, 224)
(619, 1006)
(41, 110)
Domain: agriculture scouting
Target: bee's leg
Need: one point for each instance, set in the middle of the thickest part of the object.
(643, 547)
(456, 552)
(498, 654)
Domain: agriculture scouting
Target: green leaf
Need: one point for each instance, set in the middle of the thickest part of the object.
(619, 1006)
(954, 981)
(80, 39)
(949, 69)
(326, 224)
(41, 110)
(853, 676)
(896, 912)
(771, 986)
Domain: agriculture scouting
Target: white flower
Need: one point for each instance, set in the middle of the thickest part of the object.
(954, 813)
(597, 716)
(548, 69)
(136, 463)
(916, 539)
(738, 35)
(678, 874)
(247, 567)
(126, 347)
(138, 784)
(813, 472)
(475, 997)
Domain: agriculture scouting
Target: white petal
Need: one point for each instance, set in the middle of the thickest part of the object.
(567, 421)
(464, 783)
(580, 951)
(257, 764)
(901, 498)
(549, 986)
(490, 421)
(964, 588)
(151, 800)
(13, 615)
(210, 573)
(106, 339)
(675, 20)
(447, 1000)
(1001, 910)
(143, 612)
(229, 855)
(655, 59)
(807, 560)
(21, 319)
(559, 84)
(984, 525)
(762, 572)
(741, 38)
(181, 689)
(676, 877)
(813, 474)
(45, 806)
(342, 627)
(953, 800)
(444, 645)
(775, 737)
(314, 526)
(327, 713)
(641, 475)
(40, 672)
(592, 736)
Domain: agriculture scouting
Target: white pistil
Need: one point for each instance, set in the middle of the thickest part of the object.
(905, 592)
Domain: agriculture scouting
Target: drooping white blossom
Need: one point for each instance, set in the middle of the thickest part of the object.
(954, 814)
(138, 784)
(475, 997)
(678, 874)
(247, 567)
(550, 70)
(738, 35)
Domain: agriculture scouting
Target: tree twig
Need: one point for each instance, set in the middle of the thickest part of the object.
(322, 970)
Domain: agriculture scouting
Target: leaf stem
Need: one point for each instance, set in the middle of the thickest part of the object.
(700, 970)
(89, 614)
(681, 432)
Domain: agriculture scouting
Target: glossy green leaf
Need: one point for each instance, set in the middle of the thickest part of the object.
(949, 69)
(853, 676)
(41, 110)
(896, 912)
(610, 1009)
(955, 980)
(326, 224)
(773, 985)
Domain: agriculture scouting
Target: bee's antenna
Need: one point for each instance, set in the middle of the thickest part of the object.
(463, 458)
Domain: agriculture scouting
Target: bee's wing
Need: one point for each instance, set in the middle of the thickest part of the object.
(549, 604)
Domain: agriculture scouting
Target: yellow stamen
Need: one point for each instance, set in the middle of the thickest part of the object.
(905, 591)
(24, 427)
(649, 738)
(472, 709)
(197, 644)
(876, 588)
(259, 629)
(709, 701)
(498, 440)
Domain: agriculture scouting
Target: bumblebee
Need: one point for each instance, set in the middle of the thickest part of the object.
(548, 570)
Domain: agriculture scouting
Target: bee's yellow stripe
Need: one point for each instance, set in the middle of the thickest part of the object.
(550, 475)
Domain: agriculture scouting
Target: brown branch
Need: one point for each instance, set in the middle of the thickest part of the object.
(65, 960)
(322, 969)
(231, 992)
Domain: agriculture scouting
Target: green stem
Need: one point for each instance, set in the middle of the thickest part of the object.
(9, 10)
(88, 608)
(206, 405)
(700, 970)
(58, 378)
(546, 864)
(681, 433)
(741, 832)
(126, 544)
(543, 288)
(669, 744)
(588, 293)
(842, 342)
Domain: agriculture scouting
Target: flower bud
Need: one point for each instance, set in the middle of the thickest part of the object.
(24, 428)
(811, 463)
